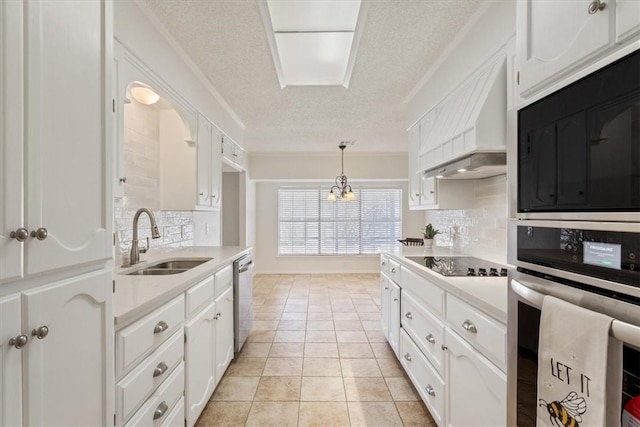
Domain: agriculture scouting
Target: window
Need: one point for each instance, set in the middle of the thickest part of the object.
(309, 224)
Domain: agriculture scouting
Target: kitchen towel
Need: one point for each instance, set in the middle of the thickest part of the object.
(579, 368)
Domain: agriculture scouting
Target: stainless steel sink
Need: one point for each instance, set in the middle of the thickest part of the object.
(172, 266)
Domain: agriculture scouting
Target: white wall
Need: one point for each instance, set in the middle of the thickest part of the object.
(274, 171)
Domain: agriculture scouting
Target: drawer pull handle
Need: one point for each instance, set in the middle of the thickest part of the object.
(386, 288)
(41, 332)
(160, 410)
(408, 315)
(430, 391)
(430, 339)
(19, 341)
(160, 327)
(396, 299)
(470, 327)
(393, 269)
(407, 357)
(160, 369)
(384, 263)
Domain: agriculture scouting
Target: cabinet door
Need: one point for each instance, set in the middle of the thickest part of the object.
(68, 132)
(10, 362)
(11, 148)
(429, 191)
(216, 167)
(627, 22)
(69, 371)
(224, 332)
(556, 37)
(394, 316)
(414, 176)
(385, 292)
(200, 362)
(204, 161)
(477, 388)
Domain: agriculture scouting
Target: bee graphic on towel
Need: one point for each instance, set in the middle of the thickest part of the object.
(579, 368)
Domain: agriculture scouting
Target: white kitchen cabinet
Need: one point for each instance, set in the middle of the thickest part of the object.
(477, 389)
(446, 193)
(224, 332)
(209, 178)
(200, 361)
(385, 295)
(627, 19)
(55, 174)
(68, 361)
(11, 361)
(233, 153)
(414, 175)
(394, 317)
(555, 38)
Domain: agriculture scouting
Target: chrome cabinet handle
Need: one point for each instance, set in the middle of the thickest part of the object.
(202, 194)
(160, 369)
(430, 391)
(595, 6)
(21, 234)
(41, 233)
(407, 357)
(396, 299)
(41, 332)
(19, 341)
(384, 263)
(386, 288)
(468, 326)
(408, 315)
(160, 327)
(430, 338)
(123, 179)
(393, 269)
(160, 410)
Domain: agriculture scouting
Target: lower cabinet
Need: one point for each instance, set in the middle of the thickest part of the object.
(224, 332)
(385, 291)
(200, 356)
(390, 311)
(477, 388)
(56, 354)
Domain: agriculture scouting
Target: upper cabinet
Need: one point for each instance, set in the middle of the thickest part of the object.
(54, 176)
(209, 156)
(233, 154)
(555, 38)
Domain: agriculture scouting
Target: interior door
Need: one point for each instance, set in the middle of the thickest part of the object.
(68, 132)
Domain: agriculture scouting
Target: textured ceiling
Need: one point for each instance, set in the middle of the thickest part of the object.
(226, 39)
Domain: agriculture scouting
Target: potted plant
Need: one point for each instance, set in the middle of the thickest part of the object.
(429, 233)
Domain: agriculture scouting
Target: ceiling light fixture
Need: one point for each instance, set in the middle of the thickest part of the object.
(342, 189)
(313, 42)
(144, 95)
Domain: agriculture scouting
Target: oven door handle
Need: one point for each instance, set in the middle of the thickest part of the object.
(623, 331)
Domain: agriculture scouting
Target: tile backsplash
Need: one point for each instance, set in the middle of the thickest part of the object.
(480, 231)
(176, 228)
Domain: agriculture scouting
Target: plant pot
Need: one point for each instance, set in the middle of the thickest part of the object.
(428, 243)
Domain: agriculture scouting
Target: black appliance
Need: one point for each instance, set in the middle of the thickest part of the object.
(579, 148)
(461, 266)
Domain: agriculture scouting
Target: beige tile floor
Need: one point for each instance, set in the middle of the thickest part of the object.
(316, 357)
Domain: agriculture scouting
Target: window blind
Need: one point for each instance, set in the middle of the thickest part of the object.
(309, 224)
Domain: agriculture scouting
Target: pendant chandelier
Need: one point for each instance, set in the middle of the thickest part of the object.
(342, 190)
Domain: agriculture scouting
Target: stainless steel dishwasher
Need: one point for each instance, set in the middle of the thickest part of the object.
(242, 300)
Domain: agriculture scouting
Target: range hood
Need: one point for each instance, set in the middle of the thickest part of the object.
(466, 130)
(475, 166)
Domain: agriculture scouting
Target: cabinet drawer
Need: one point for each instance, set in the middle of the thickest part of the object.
(199, 295)
(175, 418)
(426, 292)
(134, 341)
(482, 332)
(426, 331)
(426, 380)
(394, 271)
(224, 279)
(155, 410)
(132, 390)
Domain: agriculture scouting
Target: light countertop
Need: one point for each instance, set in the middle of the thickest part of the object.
(136, 296)
(489, 294)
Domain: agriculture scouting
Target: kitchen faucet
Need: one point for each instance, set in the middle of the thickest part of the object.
(134, 258)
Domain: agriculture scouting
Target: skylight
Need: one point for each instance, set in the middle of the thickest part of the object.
(313, 42)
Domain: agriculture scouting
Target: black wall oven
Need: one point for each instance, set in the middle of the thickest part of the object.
(579, 148)
(577, 233)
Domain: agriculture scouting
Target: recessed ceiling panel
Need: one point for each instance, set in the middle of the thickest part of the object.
(313, 15)
(314, 58)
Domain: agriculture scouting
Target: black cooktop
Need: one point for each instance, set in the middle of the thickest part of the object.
(461, 266)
